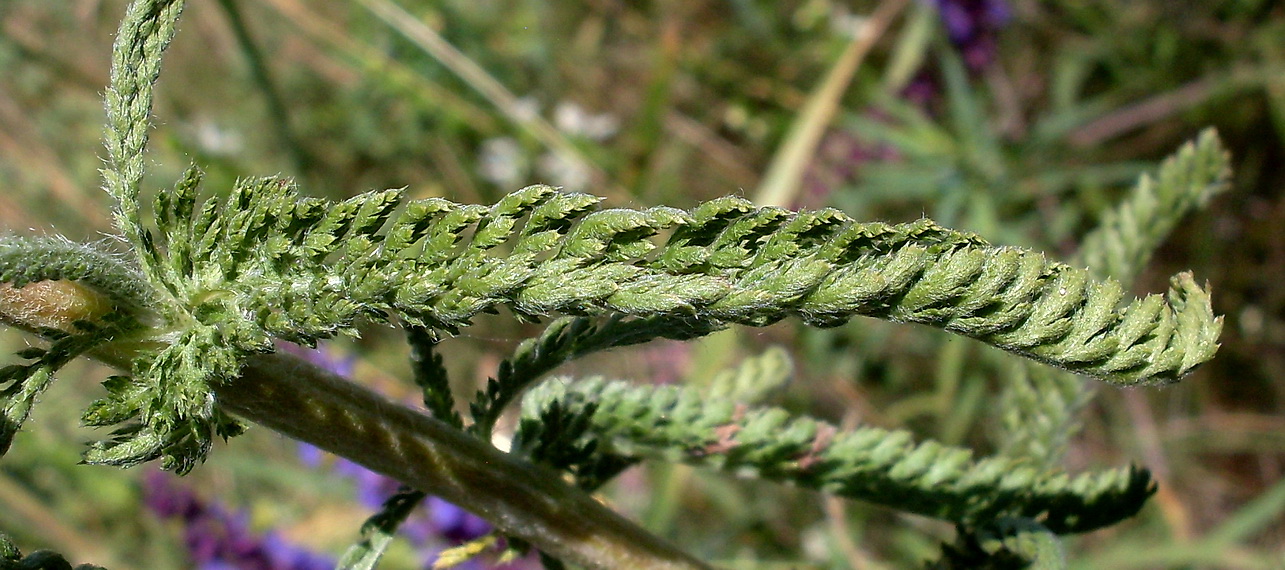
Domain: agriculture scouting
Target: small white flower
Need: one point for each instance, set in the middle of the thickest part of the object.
(570, 174)
(526, 109)
(502, 162)
(572, 119)
(216, 140)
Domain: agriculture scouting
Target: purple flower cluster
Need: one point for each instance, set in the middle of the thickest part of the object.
(972, 26)
(218, 539)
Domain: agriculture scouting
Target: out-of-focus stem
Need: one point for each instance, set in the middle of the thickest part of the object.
(781, 181)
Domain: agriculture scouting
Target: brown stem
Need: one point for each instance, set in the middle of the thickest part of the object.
(309, 404)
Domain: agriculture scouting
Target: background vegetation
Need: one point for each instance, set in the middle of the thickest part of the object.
(1024, 131)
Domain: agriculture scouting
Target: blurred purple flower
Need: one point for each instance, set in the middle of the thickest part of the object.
(432, 527)
(972, 26)
(839, 161)
(218, 539)
(323, 357)
(372, 488)
(455, 524)
(923, 90)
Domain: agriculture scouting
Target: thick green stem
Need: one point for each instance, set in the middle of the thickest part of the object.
(524, 500)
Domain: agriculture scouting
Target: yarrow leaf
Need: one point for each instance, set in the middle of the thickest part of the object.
(886, 467)
(21, 384)
(1040, 407)
(264, 263)
(564, 340)
(1003, 543)
(1129, 233)
(305, 276)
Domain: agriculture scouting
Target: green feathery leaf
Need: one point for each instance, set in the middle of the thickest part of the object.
(172, 402)
(21, 384)
(430, 375)
(1039, 410)
(560, 437)
(145, 32)
(754, 379)
(1003, 543)
(264, 263)
(885, 467)
(1040, 407)
(378, 532)
(564, 340)
(302, 269)
(1125, 239)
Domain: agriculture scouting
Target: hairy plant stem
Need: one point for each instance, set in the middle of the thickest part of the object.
(304, 402)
